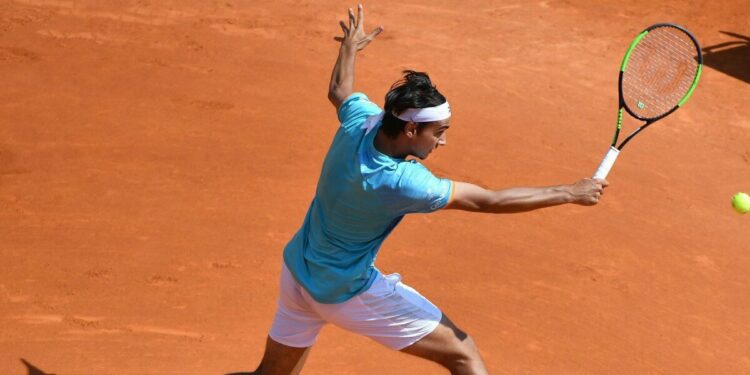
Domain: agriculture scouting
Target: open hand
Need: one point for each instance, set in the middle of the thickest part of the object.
(354, 35)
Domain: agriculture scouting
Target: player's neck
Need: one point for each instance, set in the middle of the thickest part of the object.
(395, 148)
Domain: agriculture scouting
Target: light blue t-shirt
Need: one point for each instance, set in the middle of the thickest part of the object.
(362, 195)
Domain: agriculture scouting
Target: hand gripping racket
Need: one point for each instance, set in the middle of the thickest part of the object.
(658, 74)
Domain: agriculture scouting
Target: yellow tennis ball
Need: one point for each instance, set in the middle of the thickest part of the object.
(741, 203)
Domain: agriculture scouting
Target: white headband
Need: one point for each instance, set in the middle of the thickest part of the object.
(429, 114)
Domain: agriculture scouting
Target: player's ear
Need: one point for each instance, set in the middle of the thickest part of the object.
(410, 129)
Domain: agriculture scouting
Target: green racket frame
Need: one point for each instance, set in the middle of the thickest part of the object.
(614, 149)
(624, 65)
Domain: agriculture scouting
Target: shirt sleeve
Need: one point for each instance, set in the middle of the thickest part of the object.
(419, 191)
(356, 109)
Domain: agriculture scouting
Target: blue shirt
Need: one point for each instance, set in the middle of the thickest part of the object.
(362, 195)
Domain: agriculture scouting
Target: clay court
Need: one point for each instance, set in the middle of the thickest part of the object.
(156, 156)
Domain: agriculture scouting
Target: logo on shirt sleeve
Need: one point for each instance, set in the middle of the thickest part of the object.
(436, 199)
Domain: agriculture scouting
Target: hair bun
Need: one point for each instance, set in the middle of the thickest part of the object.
(418, 79)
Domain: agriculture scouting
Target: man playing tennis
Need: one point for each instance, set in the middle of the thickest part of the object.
(365, 188)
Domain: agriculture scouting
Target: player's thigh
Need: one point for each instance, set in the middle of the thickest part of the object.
(296, 323)
(294, 330)
(388, 312)
(445, 345)
(280, 359)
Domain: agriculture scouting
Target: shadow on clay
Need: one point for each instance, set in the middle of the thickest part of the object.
(33, 370)
(731, 58)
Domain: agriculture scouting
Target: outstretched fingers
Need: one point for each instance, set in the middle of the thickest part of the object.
(343, 27)
(354, 31)
(375, 33)
(352, 20)
(361, 21)
(360, 15)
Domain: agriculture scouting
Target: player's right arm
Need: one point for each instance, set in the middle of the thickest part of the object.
(470, 197)
(354, 40)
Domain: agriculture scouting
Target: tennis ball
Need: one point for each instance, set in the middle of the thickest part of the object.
(741, 203)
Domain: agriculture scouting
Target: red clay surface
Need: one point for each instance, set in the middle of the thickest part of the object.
(155, 157)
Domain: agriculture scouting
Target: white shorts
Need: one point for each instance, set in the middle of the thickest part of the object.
(389, 312)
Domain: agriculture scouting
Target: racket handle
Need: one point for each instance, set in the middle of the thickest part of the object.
(607, 163)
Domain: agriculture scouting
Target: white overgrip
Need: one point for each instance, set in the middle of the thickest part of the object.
(607, 163)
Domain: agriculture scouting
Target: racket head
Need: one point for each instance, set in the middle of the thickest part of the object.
(659, 71)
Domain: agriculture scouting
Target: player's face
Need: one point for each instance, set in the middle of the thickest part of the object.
(431, 136)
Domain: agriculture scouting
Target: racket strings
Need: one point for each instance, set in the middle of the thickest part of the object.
(660, 71)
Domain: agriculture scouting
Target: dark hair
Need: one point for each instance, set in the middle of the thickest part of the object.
(413, 90)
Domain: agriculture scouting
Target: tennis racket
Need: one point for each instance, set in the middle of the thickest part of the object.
(658, 74)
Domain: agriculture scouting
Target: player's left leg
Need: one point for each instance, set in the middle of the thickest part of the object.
(280, 359)
(397, 316)
(450, 347)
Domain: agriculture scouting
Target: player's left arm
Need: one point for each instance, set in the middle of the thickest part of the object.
(354, 40)
(470, 197)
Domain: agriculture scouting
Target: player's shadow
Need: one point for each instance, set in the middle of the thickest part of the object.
(33, 370)
(731, 58)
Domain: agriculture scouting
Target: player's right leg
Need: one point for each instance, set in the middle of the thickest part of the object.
(280, 359)
(293, 332)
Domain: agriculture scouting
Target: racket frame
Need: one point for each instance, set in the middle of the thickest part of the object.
(614, 151)
(624, 105)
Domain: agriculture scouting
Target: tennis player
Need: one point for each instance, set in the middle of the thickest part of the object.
(366, 186)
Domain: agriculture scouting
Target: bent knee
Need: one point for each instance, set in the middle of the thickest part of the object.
(461, 355)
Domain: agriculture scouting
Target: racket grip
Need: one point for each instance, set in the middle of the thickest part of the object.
(607, 163)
